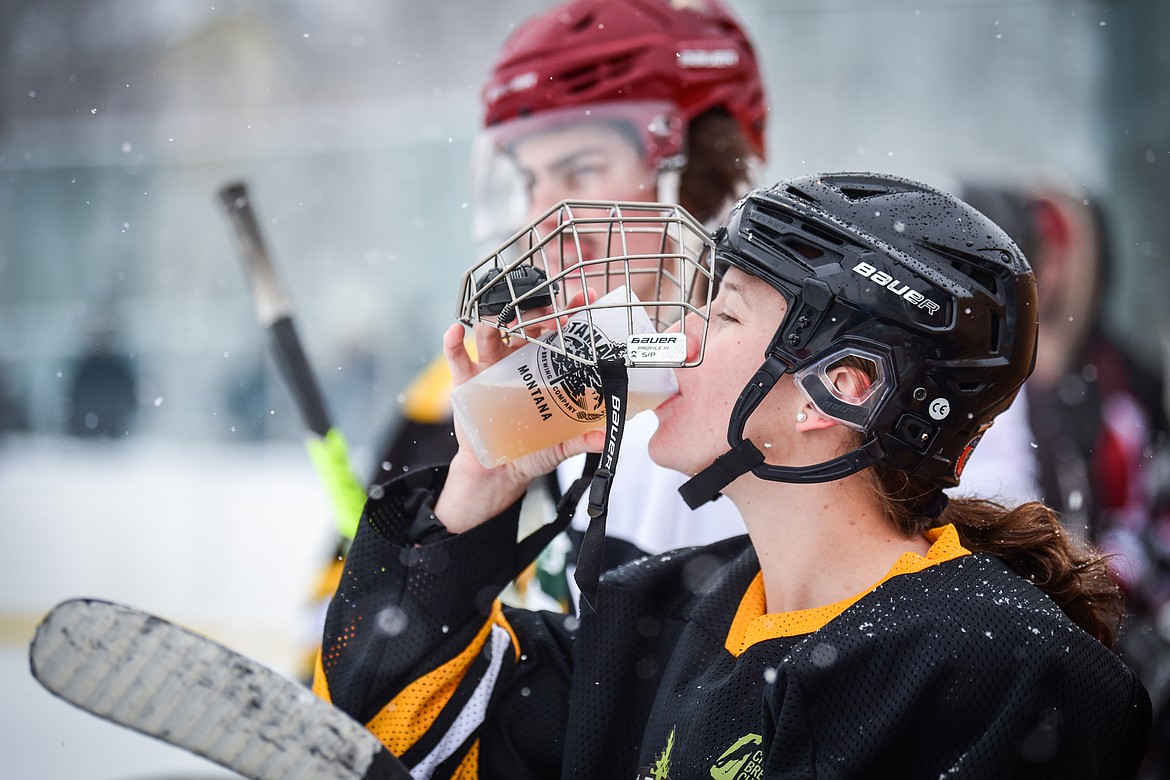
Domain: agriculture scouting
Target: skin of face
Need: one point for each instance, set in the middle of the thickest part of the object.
(692, 426)
(588, 161)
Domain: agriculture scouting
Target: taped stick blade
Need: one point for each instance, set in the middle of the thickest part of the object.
(162, 680)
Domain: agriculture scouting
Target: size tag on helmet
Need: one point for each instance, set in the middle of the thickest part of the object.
(657, 349)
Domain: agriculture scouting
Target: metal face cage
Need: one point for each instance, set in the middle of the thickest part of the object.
(652, 256)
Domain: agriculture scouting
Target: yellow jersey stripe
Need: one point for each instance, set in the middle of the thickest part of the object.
(410, 714)
(469, 768)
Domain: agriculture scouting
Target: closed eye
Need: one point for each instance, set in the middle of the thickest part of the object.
(725, 317)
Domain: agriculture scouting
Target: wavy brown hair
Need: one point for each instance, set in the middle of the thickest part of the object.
(719, 167)
(1030, 538)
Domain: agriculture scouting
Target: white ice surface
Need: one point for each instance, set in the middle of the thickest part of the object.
(224, 540)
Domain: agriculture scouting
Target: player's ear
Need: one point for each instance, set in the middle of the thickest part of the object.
(807, 419)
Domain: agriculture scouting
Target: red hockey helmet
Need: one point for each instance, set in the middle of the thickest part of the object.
(641, 69)
(689, 53)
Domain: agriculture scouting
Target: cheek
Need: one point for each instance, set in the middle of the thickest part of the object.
(709, 387)
(728, 365)
(692, 430)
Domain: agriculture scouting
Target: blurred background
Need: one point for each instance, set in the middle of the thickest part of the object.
(189, 493)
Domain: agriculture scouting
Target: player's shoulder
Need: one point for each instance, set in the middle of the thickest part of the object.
(972, 587)
(978, 609)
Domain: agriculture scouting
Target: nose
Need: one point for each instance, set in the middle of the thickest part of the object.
(544, 193)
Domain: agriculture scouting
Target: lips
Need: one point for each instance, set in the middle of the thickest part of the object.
(670, 400)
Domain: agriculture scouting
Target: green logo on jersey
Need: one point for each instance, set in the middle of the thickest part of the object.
(742, 761)
(661, 769)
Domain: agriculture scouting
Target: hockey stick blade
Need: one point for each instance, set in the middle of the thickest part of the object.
(164, 681)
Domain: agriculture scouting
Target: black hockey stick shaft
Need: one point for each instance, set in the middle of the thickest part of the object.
(274, 310)
(294, 366)
(162, 680)
(273, 307)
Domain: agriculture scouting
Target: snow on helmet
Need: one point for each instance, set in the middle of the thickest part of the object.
(929, 293)
(693, 55)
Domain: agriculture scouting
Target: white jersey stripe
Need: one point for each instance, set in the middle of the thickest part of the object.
(472, 715)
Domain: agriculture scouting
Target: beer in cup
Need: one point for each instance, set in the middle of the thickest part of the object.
(537, 397)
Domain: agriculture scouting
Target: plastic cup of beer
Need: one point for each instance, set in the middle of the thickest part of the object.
(537, 397)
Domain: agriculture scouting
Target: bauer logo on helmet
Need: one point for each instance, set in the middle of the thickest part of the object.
(895, 286)
(708, 58)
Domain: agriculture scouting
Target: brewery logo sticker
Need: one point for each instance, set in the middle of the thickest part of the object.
(575, 387)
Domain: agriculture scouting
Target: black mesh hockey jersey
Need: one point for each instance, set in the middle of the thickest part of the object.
(960, 670)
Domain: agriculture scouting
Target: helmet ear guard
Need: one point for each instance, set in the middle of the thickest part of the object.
(854, 411)
(751, 397)
(744, 456)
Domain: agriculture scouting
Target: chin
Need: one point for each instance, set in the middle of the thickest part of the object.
(672, 455)
(655, 451)
(660, 450)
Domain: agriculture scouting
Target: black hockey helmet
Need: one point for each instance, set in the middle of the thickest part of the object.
(929, 295)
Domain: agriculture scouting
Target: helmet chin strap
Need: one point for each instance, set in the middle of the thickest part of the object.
(615, 387)
(744, 456)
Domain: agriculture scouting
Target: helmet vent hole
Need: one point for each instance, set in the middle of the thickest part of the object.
(586, 22)
(985, 279)
(975, 268)
(775, 222)
(861, 193)
(824, 235)
(799, 248)
(971, 388)
(804, 249)
(587, 78)
(800, 194)
(580, 80)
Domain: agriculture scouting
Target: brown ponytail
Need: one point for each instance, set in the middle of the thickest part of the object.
(1030, 538)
